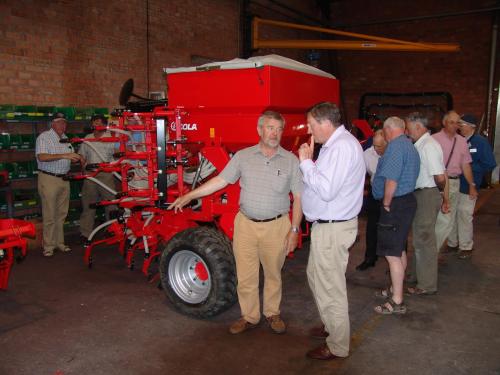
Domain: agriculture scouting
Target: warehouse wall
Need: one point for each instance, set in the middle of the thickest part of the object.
(463, 74)
(79, 53)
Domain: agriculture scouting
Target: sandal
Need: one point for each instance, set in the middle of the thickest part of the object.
(384, 293)
(419, 292)
(390, 307)
(464, 254)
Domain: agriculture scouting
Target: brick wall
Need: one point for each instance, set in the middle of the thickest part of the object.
(463, 74)
(79, 53)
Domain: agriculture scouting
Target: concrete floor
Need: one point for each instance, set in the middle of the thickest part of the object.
(58, 317)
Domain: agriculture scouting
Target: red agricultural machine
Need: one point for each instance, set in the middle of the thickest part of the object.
(166, 150)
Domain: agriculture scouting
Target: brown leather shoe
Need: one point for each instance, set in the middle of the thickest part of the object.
(276, 323)
(241, 325)
(319, 332)
(322, 352)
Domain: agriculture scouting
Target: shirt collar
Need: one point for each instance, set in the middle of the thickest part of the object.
(256, 150)
(422, 138)
(337, 133)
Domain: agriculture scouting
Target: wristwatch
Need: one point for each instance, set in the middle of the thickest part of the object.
(295, 229)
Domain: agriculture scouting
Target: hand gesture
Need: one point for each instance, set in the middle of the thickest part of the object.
(306, 151)
(179, 203)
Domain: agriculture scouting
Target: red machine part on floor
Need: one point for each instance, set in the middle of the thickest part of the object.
(168, 151)
(12, 238)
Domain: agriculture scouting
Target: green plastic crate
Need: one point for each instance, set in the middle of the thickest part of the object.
(7, 111)
(69, 112)
(83, 113)
(12, 169)
(25, 112)
(4, 141)
(101, 111)
(15, 141)
(27, 141)
(45, 112)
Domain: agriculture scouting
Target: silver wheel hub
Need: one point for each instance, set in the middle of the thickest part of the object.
(189, 276)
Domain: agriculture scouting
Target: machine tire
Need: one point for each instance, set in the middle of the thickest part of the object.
(196, 256)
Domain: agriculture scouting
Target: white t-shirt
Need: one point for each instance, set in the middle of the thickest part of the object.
(371, 160)
(431, 161)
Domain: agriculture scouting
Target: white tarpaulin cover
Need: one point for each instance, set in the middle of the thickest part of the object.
(253, 62)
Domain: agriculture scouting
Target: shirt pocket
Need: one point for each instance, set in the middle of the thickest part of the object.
(281, 183)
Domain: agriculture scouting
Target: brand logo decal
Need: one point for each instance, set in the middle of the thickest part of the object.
(193, 126)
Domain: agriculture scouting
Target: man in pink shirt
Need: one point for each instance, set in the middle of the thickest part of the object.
(457, 159)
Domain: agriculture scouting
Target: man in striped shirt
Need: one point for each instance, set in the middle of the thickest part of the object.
(54, 161)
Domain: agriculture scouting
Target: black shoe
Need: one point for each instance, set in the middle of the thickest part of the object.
(365, 265)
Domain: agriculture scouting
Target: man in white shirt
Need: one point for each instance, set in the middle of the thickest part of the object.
(371, 156)
(430, 181)
(332, 199)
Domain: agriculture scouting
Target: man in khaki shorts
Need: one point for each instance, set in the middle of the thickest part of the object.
(54, 161)
(263, 233)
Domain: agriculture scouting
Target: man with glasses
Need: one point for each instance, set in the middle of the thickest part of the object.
(263, 233)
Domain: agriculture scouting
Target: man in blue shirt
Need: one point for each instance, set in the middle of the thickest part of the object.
(483, 161)
(393, 184)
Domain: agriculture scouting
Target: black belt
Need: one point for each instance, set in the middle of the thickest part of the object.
(320, 221)
(52, 174)
(434, 187)
(453, 177)
(265, 220)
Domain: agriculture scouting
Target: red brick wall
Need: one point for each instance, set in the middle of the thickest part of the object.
(463, 74)
(79, 53)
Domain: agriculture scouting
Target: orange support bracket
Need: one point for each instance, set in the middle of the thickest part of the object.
(367, 42)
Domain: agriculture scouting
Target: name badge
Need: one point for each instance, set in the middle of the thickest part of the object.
(472, 150)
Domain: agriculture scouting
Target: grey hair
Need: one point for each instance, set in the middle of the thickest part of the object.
(325, 111)
(394, 122)
(417, 117)
(447, 114)
(270, 115)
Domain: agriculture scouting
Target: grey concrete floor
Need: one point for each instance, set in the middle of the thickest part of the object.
(58, 317)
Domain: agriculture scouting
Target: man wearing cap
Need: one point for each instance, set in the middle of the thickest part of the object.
(54, 160)
(96, 152)
(483, 161)
(457, 159)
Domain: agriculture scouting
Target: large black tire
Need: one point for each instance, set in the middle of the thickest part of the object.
(198, 273)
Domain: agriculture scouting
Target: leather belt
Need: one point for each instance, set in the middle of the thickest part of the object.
(453, 177)
(320, 221)
(265, 220)
(53, 174)
(423, 188)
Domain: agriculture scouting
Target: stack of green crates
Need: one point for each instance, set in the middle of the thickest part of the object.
(26, 198)
(7, 111)
(4, 141)
(75, 190)
(73, 218)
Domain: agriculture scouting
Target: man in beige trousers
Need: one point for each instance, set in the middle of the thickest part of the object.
(332, 199)
(263, 233)
(54, 161)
